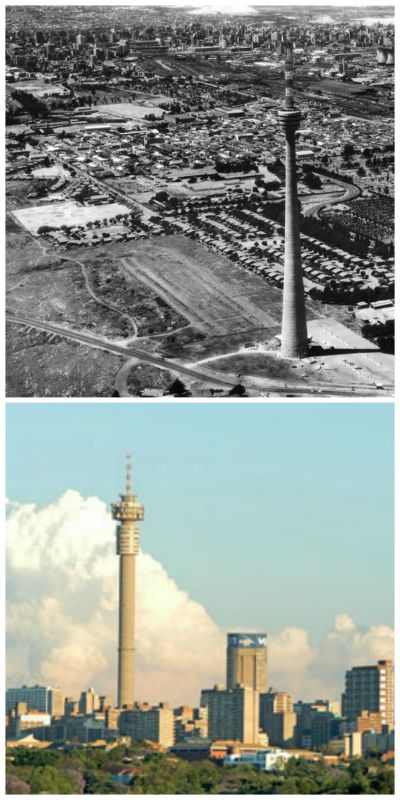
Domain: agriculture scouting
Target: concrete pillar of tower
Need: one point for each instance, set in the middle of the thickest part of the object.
(127, 511)
(294, 338)
(126, 643)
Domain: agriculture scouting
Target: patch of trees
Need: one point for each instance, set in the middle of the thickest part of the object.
(31, 104)
(337, 293)
(330, 173)
(335, 234)
(382, 333)
(47, 229)
(244, 164)
(312, 180)
(178, 389)
(348, 151)
(88, 771)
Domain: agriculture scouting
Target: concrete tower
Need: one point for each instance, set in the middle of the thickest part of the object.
(294, 339)
(127, 512)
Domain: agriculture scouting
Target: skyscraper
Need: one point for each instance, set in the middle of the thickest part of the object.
(247, 661)
(370, 688)
(294, 338)
(127, 512)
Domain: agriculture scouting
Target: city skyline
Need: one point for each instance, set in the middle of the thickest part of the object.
(180, 496)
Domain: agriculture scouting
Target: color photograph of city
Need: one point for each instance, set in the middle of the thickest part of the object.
(200, 200)
(200, 598)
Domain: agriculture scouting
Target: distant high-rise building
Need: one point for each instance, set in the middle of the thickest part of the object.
(247, 661)
(294, 337)
(40, 698)
(316, 722)
(277, 717)
(232, 713)
(155, 723)
(370, 688)
(71, 706)
(88, 702)
(190, 722)
(127, 512)
(105, 701)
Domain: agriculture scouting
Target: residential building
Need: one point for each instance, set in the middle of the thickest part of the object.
(143, 721)
(277, 717)
(88, 702)
(370, 688)
(40, 698)
(190, 723)
(317, 723)
(233, 713)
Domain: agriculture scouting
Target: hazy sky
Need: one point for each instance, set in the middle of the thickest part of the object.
(268, 514)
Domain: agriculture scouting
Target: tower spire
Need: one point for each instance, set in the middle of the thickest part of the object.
(289, 74)
(128, 479)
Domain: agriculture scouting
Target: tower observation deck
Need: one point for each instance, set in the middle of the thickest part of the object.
(294, 338)
(127, 512)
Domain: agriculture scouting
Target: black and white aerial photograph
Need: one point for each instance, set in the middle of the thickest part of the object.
(200, 200)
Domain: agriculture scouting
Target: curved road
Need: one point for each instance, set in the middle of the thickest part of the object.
(207, 377)
(111, 347)
(104, 302)
(312, 204)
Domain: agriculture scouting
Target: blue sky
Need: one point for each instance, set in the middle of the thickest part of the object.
(277, 511)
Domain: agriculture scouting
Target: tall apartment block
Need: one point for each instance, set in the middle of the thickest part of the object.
(155, 723)
(127, 512)
(40, 698)
(232, 713)
(370, 688)
(247, 661)
(89, 702)
(294, 338)
(277, 717)
(190, 722)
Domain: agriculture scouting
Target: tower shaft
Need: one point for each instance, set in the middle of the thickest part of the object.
(294, 339)
(127, 512)
(126, 638)
(294, 342)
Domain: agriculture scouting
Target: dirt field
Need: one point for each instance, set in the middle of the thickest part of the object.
(205, 287)
(67, 212)
(130, 110)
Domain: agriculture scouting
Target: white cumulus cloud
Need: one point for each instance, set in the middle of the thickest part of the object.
(62, 608)
(62, 595)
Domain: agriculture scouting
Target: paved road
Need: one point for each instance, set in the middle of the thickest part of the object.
(111, 189)
(111, 347)
(256, 387)
(311, 205)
